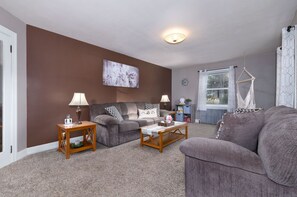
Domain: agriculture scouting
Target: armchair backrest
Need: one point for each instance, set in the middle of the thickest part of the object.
(277, 145)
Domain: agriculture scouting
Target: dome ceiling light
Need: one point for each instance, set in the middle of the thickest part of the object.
(175, 38)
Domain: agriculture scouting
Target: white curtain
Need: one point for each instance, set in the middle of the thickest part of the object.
(231, 90)
(286, 68)
(278, 74)
(201, 99)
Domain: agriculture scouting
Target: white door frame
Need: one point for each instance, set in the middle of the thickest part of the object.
(9, 97)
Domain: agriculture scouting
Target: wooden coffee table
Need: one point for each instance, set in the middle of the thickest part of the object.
(159, 136)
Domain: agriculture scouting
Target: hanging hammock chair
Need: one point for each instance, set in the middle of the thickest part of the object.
(249, 101)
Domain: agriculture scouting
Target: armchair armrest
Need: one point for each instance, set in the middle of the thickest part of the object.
(222, 152)
(106, 120)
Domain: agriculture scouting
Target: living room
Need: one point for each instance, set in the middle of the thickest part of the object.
(56, 52)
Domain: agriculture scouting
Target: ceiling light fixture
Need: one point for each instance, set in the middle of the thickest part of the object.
(175, 38)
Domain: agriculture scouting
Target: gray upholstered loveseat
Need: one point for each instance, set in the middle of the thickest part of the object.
(221, 168)
(111, 131)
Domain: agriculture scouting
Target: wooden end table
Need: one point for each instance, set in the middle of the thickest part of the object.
(88, 130)
(165, 135)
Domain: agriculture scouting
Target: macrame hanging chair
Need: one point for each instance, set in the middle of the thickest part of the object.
(249, 101)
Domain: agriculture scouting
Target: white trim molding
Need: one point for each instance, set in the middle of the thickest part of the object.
(9, 140)
(41, 148)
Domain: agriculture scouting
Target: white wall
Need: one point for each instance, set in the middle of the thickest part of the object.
(262, 66)
(294, 21)
(1, 73)
(14, 24)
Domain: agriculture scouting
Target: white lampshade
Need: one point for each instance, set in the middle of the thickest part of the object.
(79, 99)
(165, 99)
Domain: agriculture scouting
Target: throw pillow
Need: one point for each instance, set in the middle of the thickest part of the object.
(147, 113)
(114, 112)
(242, 128)
(242, 110)
(217, 128)
(151, 106)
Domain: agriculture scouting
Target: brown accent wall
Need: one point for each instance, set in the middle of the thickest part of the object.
(58, 66)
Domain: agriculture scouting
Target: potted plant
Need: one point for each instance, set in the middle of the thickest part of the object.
(188, 101)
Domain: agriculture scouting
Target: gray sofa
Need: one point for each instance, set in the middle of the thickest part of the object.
(222, 168)
(111, 131)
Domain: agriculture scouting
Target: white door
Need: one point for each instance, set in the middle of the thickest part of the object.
(6, 96)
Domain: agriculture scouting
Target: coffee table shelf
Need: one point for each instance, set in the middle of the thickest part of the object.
(166, 135)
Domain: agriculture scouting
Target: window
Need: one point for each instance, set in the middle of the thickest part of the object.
(217, 88)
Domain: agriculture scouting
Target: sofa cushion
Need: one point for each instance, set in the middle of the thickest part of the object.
(140, 105)
(152, 106)
(278, 147)
(158, 119)
(113, 111)
(148, 121)
(128, 125)
(242, 128)
(147, 113)
(129, 111)
(144, 122)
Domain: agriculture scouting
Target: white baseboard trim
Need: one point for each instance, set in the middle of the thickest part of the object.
(21, 154)
(41, 148)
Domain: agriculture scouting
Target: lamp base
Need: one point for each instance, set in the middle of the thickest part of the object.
(165, 105)
(78, 113)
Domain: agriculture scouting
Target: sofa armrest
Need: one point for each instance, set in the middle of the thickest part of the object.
(106, 120)
(164, 112)
(222, 152)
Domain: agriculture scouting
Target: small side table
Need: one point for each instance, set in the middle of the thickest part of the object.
(88, 130)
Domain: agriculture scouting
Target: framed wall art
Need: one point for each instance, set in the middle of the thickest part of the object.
(120, 75)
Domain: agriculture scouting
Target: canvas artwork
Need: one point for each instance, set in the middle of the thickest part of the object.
(120, 75)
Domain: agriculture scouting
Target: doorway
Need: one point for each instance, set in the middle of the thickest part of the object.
(8, 113)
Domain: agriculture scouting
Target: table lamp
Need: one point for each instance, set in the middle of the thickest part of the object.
(165, 100)
(79, 99)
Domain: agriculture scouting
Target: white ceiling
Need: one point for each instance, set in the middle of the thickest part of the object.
(217, 29)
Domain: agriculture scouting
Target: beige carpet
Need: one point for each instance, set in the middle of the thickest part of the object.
(125, 170)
